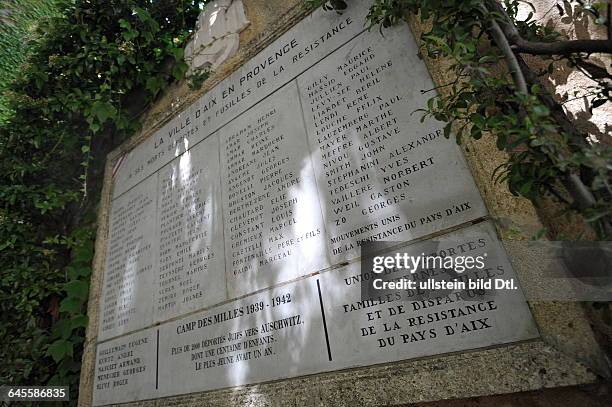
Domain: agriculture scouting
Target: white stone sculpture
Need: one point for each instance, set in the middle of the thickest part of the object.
(217, 35)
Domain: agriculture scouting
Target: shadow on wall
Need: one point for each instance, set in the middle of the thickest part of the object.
(569, 86)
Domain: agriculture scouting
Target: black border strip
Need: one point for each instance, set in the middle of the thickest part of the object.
(157, 364)
(329, 355)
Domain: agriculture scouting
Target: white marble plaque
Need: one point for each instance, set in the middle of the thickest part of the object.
(392, 327)
(126, 368)
(282, 332)
(382, 174)
(306, 43)
(273, 225)
(126, 303)
(271, 335)
(278, 174)
(189, 228)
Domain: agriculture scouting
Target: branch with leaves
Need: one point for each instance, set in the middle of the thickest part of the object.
(523, 46)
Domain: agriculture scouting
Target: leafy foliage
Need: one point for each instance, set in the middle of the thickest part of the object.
(544, 154)
(18, 18)
(93, 70)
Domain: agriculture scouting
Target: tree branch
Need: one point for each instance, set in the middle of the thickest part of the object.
(577, 189)
(561, 47)
(497, 33)
(521, 45)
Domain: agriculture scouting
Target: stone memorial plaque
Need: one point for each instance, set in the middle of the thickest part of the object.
(273, 225)
(126, 368)
(271, 335)
(404, 325)
(174, 138)
(130, 262)
(321, 323)
(278, 174)
(292, 53)
(189, 227)
(382, 174)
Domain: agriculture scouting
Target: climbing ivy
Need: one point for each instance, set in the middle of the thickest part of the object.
(547, 156)
(93, 69)
(18, 19)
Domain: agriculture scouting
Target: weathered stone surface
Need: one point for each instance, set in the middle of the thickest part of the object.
(279, 63)
(189, 225)
(126, 368)
(217, 35)
(274, 230)
(382, 174)
(272, 335)
(405, 324)
(130, 262)
(322, 323)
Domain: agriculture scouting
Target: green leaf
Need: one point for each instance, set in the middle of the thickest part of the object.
(71, 305)
(75, 272)
(129, 35)
(501, 141)
(154, 84)
(447, 130)
(103, 110)
(476, 133)
(59, 349)
(178, 53)
(179, 70)
(62, 329)
(125, 24)
(487, 58)
(79, 321)
(541, 110)
(526, 188)
(77, 289)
